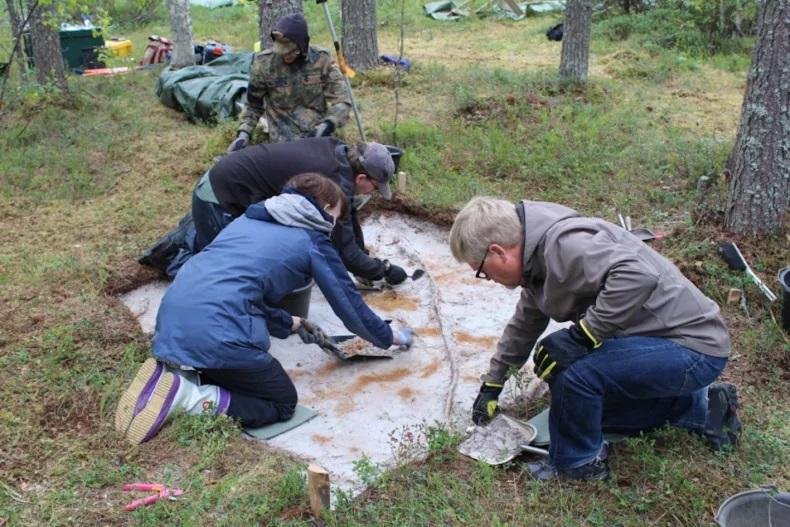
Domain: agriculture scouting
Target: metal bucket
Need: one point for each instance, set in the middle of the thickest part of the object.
(297, 302)
(764, 507)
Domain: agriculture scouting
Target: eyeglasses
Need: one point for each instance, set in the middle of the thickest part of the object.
(480, 273)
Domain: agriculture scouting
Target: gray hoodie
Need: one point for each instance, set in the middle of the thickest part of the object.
(295, 210)
(589, 268)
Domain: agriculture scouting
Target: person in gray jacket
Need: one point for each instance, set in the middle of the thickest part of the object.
(644, 348)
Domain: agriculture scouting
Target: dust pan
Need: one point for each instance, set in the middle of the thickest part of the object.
(500, 441)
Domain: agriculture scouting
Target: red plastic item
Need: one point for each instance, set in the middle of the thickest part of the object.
(162, 492)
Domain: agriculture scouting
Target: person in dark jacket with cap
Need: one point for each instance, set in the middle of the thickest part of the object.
(259, 172)
(217, 317)
(298, 88)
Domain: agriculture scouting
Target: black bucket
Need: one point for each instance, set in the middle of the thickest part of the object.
(784, 279)
(297, 302)
(396, 154)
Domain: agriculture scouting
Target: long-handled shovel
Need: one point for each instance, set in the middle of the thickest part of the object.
(344, 68)
(735, 260)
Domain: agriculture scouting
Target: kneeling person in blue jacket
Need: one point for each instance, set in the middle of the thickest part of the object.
(217, 318)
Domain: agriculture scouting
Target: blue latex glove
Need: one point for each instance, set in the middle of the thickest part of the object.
(404, 337)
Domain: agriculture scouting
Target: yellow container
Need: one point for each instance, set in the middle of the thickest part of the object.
(119, 48)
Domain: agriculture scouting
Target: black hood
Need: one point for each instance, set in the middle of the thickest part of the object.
(294, 28)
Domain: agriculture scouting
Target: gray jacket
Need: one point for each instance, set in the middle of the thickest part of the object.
(589, 268)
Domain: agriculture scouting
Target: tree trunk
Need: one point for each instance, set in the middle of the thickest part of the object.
(576, 40)
(181, 25)
(15, 18)
(269, 11)
(46, 46)
(360, 42)
(759, 165)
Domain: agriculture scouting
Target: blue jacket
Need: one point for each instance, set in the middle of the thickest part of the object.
(217, 314)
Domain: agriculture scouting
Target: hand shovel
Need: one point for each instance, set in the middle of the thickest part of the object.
(345, 356)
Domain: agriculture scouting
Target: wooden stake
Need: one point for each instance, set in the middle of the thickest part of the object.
(318, 489)
(402, 182)
(734, 296)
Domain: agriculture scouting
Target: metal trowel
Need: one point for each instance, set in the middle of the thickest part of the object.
(346, 356)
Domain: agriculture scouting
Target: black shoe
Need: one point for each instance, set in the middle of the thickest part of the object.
(595, 471)
(723, 428)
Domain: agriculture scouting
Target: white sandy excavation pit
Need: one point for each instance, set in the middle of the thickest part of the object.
(368, 408)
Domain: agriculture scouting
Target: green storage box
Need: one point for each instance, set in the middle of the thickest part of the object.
(80, 45)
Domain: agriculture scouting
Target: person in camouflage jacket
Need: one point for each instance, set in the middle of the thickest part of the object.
(297, 87)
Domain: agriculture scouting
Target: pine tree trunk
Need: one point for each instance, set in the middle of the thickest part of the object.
(576, 40)
(759, 165)
(181, 25)
(45, 40)
(360, 42)
(269, 11)
(16, 29)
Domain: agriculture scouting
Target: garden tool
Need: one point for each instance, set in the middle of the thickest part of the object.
(502, 440)
(735, 260)
(329, 344)
(162, 493)
(347, 71)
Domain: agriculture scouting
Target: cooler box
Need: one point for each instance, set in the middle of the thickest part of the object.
(77, 44)
(118, 48)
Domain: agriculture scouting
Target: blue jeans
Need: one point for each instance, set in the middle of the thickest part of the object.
(628, 385)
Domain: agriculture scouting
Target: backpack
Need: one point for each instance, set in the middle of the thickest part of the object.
(158, 50)
(554, 33)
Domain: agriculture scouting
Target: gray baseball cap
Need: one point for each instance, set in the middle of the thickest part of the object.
(378, 163)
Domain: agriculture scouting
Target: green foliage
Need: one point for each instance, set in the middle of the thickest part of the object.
(690, 26)
(367, 470)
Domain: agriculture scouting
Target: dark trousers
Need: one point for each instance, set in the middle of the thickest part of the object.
(209, 220)
(258, 396)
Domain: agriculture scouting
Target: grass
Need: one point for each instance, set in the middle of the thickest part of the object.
(88, 183)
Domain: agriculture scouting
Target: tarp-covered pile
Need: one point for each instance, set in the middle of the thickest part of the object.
(209, 92)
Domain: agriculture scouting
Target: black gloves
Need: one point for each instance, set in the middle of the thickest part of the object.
(486, 405)
(562, 348)
(240, 142)
(393, 274)
(323, 129)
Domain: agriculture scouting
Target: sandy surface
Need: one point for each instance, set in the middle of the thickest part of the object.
(380, 409)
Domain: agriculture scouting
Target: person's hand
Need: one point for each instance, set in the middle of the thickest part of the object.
(486, 404)
(403, 337)
(312, 334)
(295, 323)
(562, 348)
(394, 274)
(324, 128)
(241, 141)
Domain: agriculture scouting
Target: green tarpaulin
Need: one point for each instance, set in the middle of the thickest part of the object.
(502, 10)
(209, 92)
(445, 10)
(213, 4)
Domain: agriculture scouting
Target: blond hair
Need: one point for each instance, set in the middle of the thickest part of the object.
(483, 221)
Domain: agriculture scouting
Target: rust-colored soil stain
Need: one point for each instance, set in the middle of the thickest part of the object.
(365, 380)
(428, 332)
(328, 368)
(467, 338)
(430, 369)
(406, 393)
(391, 301)
(344, 406)
(470, 378)
(321, 440)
